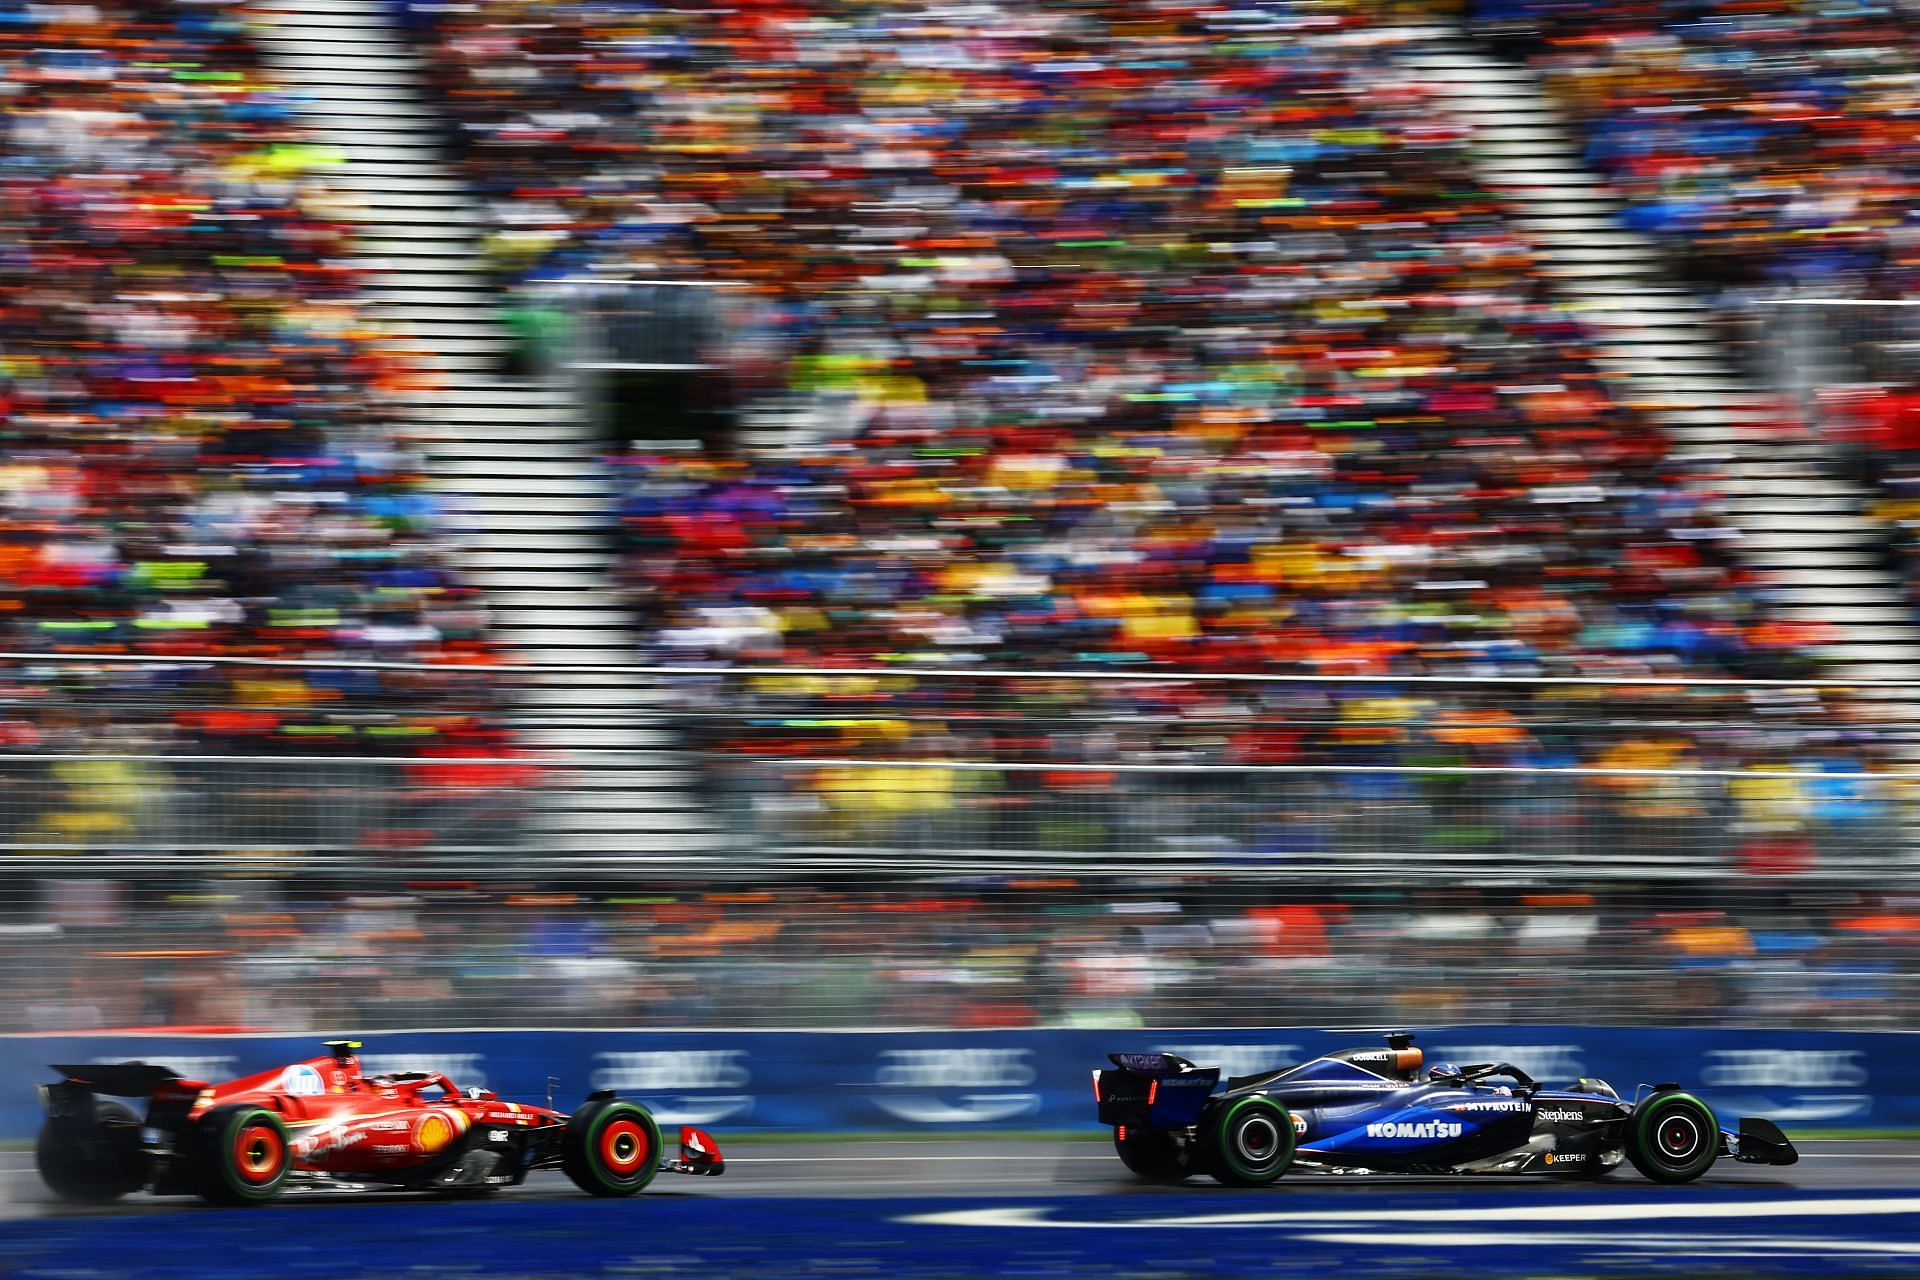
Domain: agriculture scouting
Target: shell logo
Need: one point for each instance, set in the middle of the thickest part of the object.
(437, 1129)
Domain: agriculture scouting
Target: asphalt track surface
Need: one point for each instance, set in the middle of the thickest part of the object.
(1041, 1210)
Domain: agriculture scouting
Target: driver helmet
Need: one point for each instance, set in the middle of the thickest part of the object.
(1444, 1071)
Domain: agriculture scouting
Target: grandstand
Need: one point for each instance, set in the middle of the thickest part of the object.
(1068, 486)
(1754, 156)
(201, 459)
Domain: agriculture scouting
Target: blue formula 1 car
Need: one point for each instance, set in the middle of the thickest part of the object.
(1372, 1111)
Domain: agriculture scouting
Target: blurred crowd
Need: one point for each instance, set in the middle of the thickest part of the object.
(1770, 147)
(1772, 139)
(1119, 338)
(1265, 773)
(1185, 339)
(976, 954)
(96, 797)
(1771, 781)
(194, 411)
(1177, 338)
(1180, 338)
(1385, 821)
(1181, 342)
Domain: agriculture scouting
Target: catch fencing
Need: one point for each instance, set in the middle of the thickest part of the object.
(377, 815)
(1402, 823)
(268, 950)
(370, 766)
(398, 847)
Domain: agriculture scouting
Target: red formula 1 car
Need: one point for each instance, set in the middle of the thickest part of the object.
(322, 1122)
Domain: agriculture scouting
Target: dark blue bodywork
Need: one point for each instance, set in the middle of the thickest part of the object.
(1376, 1110)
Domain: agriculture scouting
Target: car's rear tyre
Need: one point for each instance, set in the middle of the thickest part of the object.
(1153, 1154)
(1247, 1142)
(94, 1172)
(239, 1155)
(611, 1147)
(1673, 1137)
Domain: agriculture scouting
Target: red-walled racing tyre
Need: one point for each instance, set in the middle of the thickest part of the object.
(240, 1155)
(611, 1147)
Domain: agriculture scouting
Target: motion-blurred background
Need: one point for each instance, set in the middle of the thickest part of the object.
(1044, 513)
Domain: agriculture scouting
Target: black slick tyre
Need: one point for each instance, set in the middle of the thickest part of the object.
(1673, 1137)
(611, 1147)
(239, 1155)
(1247, 1142)
(1152, 1154)
(93, 1171)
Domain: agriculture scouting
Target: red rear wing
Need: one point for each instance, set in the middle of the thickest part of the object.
(121, 1079)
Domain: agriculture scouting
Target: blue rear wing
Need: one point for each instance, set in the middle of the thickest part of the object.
(1163, 1090)
(1150, 1064)
(1176, 1101)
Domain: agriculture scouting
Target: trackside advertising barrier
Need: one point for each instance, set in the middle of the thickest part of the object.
(955, 1081)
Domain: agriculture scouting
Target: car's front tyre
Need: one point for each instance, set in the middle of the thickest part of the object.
(1248, 1142)
(611, 1147)
(1673, 1137)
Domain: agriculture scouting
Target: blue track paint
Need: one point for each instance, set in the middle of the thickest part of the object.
(1218, 1235)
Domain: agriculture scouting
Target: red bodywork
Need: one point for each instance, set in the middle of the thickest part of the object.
(328, 1122)
(341, 1121)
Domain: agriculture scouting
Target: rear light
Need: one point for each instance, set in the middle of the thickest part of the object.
(1120, 1132)
(1096, 1086)
(1153, 1091)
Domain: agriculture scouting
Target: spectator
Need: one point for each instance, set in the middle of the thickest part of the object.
(200, 461)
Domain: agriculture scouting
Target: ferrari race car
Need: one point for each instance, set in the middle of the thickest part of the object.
(322, 1122)
(1370, 1111)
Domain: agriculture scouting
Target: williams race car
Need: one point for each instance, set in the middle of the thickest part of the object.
(323, 1122)
(1370, 1111)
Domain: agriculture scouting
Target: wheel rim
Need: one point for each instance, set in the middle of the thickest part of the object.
(624, 1148)
(1679, 1137)
(1257, 1140)
(258, 1153)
